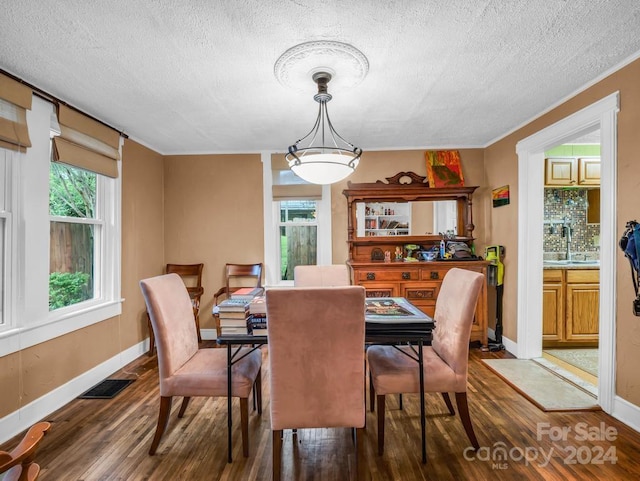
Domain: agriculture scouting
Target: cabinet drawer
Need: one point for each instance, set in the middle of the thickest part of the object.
(380, 289)
(387, 275)
(433, 274)
(583, 276)
(552, 275)
(425, 291)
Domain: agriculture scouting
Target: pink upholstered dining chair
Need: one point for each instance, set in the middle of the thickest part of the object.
(316, 384)
(186, 370)
(321, 276)
(445, 361)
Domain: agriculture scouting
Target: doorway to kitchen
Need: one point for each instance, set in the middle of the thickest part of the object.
(601, 115)
(571, 260)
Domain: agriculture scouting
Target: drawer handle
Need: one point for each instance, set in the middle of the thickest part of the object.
(406, 275)
(371, 276)
(435, 275)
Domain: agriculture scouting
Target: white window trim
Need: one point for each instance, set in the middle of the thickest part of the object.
(9, 260)
(272, 226)
(31, 321)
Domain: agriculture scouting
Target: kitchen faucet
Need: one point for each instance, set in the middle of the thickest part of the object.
(566, 232)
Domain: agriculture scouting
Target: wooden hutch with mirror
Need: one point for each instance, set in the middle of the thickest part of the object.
(392, 228)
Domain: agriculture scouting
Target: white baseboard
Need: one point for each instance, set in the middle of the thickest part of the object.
(626, 412)
(508, 344)
(39, 409)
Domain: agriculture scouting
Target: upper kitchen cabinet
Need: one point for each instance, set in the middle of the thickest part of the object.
(589, 171)
(561, 171)
(572, 171)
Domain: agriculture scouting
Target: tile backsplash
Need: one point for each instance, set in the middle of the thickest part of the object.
(568, 204)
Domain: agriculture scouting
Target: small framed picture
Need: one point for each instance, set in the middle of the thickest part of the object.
(500, 196)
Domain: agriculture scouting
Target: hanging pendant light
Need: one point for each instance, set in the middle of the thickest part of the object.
(327, 158)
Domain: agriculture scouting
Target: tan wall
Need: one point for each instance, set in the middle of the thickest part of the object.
(501, 169)
(33, 372)
(213, 215)
(380, 165)
(142, 234)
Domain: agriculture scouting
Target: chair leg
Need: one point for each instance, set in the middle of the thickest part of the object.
(183, 407)
(447, 401)
(463, 410)
(257, 389)
(360, 461)
(163, 421)
(244, 421)
(381, 408)
(400, 401)
(152, 338)
(276, 450)
(372, 395)
(196, 317)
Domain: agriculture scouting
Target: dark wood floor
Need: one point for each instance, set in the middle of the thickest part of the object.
(109, 440)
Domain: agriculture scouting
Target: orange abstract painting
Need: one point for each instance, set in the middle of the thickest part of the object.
(444, 168)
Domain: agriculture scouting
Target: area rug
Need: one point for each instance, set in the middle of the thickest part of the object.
(544, 388)
(106, 389)
(584, 358)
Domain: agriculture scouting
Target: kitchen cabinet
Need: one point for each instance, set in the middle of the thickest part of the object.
(593, 206)
(553, 306)
(561, 172)
(589, 171)
(419, 283)
(572, 171)
(571, 304)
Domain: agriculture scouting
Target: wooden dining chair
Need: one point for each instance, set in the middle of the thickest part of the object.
(316, 384)
(183, 368)
(236, 277)
(321, 276)
(191, 275)
(392, 371)
(19, 464)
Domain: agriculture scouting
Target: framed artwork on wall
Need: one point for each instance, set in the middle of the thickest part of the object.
(500, 196)
(444, 168)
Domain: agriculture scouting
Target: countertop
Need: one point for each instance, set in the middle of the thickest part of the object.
(571, 265)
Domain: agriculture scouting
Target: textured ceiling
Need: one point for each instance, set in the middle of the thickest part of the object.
(197, 76)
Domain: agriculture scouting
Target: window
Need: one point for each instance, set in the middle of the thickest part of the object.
(74, 231)
(59, 240)
(298, 228)
(297, 221)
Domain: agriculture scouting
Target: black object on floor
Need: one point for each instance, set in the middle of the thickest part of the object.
(106, 389)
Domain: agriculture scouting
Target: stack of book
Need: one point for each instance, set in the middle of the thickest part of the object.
(246, 293)
(233, 314)
(257, 320)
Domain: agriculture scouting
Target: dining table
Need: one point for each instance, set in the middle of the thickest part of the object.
(388, 320)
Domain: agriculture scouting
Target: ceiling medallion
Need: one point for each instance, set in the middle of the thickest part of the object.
(294, 66)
